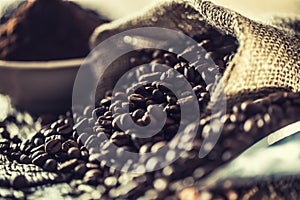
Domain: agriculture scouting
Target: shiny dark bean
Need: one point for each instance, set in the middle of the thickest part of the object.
(53, 146)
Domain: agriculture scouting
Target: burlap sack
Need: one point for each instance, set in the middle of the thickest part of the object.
(267, 58)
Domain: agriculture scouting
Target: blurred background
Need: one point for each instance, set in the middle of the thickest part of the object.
(255, 9)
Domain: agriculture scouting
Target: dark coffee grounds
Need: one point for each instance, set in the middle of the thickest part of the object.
(48, 30)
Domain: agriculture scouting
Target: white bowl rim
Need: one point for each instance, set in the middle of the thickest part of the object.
(52, 64)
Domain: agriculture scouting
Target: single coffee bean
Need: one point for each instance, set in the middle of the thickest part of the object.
(40, 159)
(92, 176)
(157, 146)
(19, 181)
(120, 138)
(68, 144)
(74, 152)
(50, 165)
(61, 156)
(49, 132)
(138, 100)
(57, 124)
(38, 141)
(65, 129)
(80, 169)
(68, 165)
(137, 114)
(53, 146)
(170, 58)
(36, 153)
(38, 148)
(25, 159)
(84, 155)
(146, 119)
(158, 96)
(105, 121)
(110, 181)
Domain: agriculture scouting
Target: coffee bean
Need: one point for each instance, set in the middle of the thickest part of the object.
(68, 144)
(105, 121)
(92, 176)
(36, 153)
(25, 159)
(74, 152)
(68, 166)
(157, 146)
(146, 119)
(190, 193)
(171, 59)
(38, 148)
(138, 100)
(158, 96)
(38, 141)
(40, 159)
(53, 146)
(120, 138)
(80, 169)
(65, 129)
(84, 155)
(19, 181)
(57, 124)
(137, 114)
(50, 165)
(110, 181)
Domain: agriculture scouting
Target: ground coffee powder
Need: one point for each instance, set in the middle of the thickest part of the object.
(47, 30)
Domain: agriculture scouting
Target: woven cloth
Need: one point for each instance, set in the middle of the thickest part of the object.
(267, 58)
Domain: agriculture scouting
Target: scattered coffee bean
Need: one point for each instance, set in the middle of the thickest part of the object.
(53, 146)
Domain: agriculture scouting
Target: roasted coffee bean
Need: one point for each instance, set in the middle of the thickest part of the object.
(74, 152)
(25, 159)
(105, 102)
(68, 166)
(68, 144)
(158, 96)
(36, 153)
(138, 100)
(53, 146)
(92, 176)
(61, 156)
(110, 181)
(57, 124)
(120, 138)
(137, 114)
(50, 165)
(38, 141)
(84, 155)
(65, 129)
(40, 159)
(38, 148)
(157, 146)
(49, 132)
(105, 121)
(170, 58)
(80, 169)
(19, 181)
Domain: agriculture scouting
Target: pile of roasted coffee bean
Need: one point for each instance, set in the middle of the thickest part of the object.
(80, 145)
